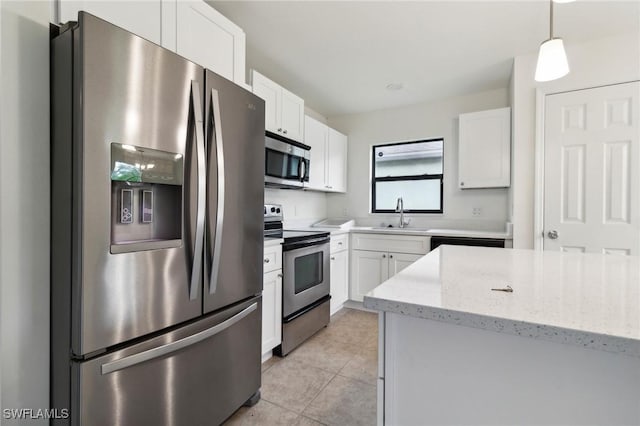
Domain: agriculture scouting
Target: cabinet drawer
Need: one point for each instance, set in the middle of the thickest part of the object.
(391, 243)
(272, 258)
(339, 243)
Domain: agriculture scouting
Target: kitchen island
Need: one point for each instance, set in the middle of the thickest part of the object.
(474, 335)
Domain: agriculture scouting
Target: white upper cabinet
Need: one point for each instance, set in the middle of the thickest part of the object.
(328, 168)
(484, 149)
(292, 115)
(140, 17)
(284, 111)
(270, 92)
(191, 28)
(316, 135)
(206, 37)
(337, 161)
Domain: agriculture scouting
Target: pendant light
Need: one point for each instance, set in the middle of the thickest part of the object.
(552, 59)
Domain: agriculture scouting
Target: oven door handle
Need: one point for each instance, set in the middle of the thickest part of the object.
(305, 243)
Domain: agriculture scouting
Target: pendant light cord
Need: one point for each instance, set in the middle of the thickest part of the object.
(550, 19)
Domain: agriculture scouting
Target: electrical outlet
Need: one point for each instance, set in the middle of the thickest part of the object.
(477, 211)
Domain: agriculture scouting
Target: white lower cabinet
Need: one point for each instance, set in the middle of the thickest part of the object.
(378, 263)
(399, 261)
(339, 280)
(272, 299)
(368, 270)
(271, 311)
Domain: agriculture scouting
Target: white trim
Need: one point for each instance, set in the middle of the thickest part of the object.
(538, 206)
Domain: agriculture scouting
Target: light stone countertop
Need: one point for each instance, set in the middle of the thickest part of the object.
(268, 242)
(589, 300)
(408, 231)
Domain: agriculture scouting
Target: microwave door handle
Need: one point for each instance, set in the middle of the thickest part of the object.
(196, 271)
(303, 169)
(219, 147)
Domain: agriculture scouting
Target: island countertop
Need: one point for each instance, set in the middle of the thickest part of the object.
(588, 300)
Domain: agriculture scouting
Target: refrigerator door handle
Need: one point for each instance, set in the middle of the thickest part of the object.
(167, 349)
(217, 241)
(200, 209)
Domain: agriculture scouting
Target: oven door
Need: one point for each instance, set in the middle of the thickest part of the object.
(306, 277)
(286, 165)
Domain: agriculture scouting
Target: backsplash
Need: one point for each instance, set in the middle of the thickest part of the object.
(301, 208)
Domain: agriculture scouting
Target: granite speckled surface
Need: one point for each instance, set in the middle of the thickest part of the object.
(588, 300)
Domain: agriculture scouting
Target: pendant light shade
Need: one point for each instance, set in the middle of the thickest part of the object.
(552, 60)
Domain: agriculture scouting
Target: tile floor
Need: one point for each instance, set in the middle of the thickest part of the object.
(328, 380)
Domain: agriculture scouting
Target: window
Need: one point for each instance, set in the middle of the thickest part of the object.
(411, 170)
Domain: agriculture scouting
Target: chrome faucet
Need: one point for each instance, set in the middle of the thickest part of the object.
(400, 209)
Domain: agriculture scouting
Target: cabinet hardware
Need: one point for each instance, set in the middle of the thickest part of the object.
(284, 131)
(384, 256)
(339, 243)
(390, 256)
(333, 258)
(279, 275)
(266, 261)
(507, 289)
(280, 129)
(461, 183)
(552, 234)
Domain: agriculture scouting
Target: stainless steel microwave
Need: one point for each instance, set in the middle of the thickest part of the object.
(286, 162)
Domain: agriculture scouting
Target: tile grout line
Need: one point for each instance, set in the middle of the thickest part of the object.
(316, 396)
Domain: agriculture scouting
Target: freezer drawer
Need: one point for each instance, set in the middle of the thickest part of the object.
(195, 375)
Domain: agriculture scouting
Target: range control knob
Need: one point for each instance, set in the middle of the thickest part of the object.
(273, 209)
(277, 210)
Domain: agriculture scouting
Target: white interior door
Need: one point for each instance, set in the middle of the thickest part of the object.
(591, 167)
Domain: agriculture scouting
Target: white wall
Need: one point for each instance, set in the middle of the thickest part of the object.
(301, 208)
(421, 121)
(596, 63)
(24, 207)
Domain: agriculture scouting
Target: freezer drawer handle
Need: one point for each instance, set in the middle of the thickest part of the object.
(158, 352)
(198, 247)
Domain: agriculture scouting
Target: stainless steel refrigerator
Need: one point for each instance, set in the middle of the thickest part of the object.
(157, 199)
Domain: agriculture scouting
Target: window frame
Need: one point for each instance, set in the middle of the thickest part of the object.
(374, 179)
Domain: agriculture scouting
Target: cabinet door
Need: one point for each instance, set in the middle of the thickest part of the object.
(271, 92)
(399, 261)
(207, 38)
(368, 270)
(315, 135)
(339, 279)
(271, 311)
(337, 161)
(292, 116)
(484, 145)
(140, 17)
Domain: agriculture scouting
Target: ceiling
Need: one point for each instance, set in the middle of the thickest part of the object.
(341, 55)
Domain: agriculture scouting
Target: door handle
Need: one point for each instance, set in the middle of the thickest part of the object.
(303, 170)
(150, 354)
(196, 270)
(219, 147)
(552, 234)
